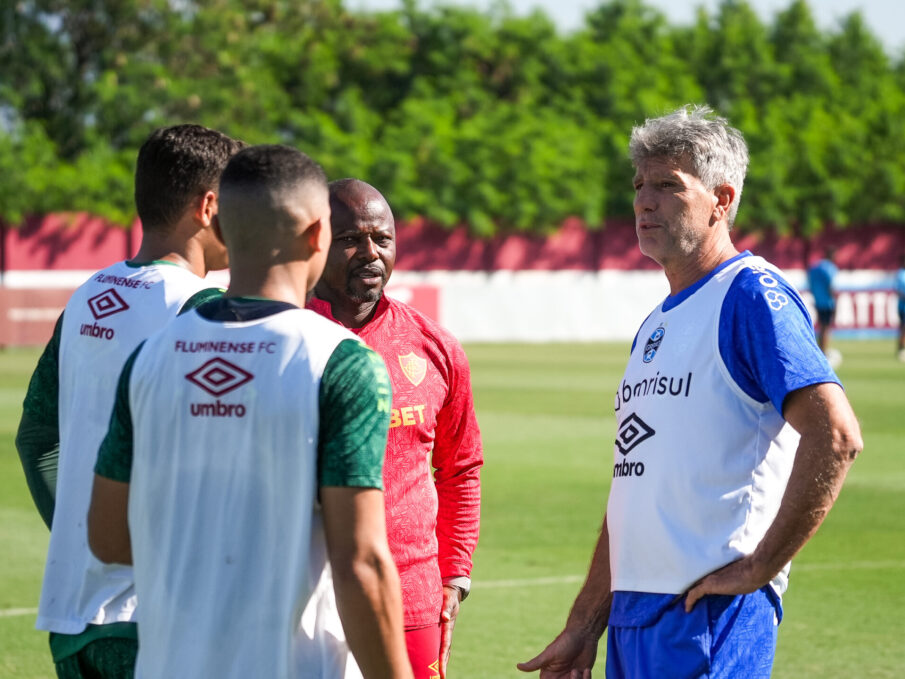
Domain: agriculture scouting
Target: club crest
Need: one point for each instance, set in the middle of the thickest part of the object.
(414, 367)
(653, 343)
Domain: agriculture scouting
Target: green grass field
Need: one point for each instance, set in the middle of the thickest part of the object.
(546, 416)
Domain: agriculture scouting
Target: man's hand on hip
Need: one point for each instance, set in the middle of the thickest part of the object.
(739, 577)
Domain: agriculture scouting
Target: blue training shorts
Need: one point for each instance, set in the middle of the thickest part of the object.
(723, 637)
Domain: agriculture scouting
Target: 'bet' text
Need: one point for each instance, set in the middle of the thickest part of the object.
(407, 416)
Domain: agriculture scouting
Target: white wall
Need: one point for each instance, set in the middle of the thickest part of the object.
(548, 306)
(540, 306)
(553, 306)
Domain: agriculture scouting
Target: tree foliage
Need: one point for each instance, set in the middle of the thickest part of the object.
(462, 116)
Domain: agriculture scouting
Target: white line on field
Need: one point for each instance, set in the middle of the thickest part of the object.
(13, 612)
(530, 582)
(570, 579)
(852, 566)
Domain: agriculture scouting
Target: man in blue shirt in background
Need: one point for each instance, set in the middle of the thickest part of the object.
(820, 281)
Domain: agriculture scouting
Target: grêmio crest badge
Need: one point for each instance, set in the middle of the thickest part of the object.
(653, 343)
(414, 367)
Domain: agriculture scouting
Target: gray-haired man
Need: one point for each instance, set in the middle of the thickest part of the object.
(734, 435)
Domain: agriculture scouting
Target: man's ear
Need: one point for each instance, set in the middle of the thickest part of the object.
(318, 236)
(206, 208)
(725, 196)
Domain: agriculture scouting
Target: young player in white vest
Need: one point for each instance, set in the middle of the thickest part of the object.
(245, 448)
(734, 436)
(89, 608)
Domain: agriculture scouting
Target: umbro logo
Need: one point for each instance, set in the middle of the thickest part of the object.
(106, 304)
(632, 432)
(218, 376)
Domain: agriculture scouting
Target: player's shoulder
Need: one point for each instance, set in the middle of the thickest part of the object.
(431, 329)
(115, 269)
(325, 326)
(145, 277)
(759, 290)
(324, 337)
(756, 275)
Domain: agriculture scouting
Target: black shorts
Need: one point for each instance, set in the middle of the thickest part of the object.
(825, 316)
(111, 657)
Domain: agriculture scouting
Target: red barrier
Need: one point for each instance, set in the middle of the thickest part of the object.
(77, 242)
(28, 315)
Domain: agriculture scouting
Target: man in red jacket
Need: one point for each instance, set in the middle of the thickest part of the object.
(432, 518)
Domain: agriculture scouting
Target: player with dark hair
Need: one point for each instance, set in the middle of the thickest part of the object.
(432, 470)
(87, 607)
(734, 435)
(270, 461)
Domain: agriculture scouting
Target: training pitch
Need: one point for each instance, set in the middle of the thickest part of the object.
(546, 414)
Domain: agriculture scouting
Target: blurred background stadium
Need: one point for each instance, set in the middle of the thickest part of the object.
(499, 136)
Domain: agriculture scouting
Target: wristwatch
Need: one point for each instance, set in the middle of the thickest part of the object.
(461, 583)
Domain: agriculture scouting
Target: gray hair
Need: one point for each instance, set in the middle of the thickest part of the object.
(717, 151)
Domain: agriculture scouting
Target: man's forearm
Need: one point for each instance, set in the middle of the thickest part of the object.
(365, 580)
(458, 522)
(813, 487)
(591, 609)
(369, 600)
(830, 441)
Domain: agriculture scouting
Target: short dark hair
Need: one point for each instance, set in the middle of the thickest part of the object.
(271, 166)
(176, 164)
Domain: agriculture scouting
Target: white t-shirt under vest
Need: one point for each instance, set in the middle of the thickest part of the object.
(700, 466)
(227, 538)
(104, 320)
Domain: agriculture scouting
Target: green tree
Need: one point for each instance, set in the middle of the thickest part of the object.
(459, 115)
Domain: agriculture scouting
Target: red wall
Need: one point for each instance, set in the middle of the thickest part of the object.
(65, 241)
(80, 242)
(424, 247)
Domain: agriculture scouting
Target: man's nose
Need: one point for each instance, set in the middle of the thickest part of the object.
(367, 250)
(644, 200)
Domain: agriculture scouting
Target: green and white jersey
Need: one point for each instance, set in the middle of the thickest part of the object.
(104, 320)
(225, 425)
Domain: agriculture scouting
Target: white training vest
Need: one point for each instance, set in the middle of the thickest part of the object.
(104, 320)
(226, 537)
(700, 467)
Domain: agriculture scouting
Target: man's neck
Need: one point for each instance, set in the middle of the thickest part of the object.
(349, 313)
(689, 270)
(167, 248)
(281, 282)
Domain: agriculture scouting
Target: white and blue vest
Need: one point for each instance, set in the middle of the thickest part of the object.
(700, 467)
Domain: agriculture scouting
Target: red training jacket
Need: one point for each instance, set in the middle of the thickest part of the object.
(432, 519)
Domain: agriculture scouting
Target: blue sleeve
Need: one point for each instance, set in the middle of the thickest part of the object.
(766, 338)
(900, 282)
